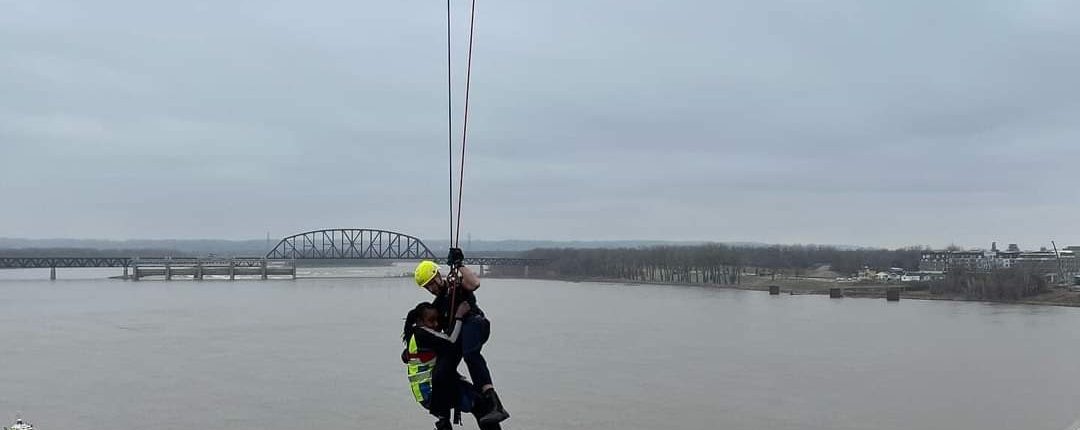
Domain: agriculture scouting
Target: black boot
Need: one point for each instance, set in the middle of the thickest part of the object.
(498, 413)
(443, 424)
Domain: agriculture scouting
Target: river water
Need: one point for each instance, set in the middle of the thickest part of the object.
(85, 352)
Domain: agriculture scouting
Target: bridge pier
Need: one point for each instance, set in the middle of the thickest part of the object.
(125, 272)
(134, 273)
(526, 270)
(52, 273)
(208, 269)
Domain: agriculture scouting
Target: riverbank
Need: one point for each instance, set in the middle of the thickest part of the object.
(1056, 296)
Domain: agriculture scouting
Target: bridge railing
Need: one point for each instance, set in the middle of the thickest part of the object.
(53, 262)
(210, 262)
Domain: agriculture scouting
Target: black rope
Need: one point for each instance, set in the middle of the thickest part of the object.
(450, 117)
(450, 147)
(465, 121)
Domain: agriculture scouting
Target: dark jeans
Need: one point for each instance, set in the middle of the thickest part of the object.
(475, 331)
(467, 398)
(444, 382)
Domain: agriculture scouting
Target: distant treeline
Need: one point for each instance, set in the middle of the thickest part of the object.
(712, 263)
(143, 246)
(1002, 284)
(90, 252)
(708, 264)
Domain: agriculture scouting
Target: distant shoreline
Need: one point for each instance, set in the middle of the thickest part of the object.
(808, 286)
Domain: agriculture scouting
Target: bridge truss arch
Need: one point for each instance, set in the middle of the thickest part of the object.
(346, 243)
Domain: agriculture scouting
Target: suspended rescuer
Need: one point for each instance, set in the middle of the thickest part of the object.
(450, 291)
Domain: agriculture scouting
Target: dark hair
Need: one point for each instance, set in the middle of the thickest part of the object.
(412, 317)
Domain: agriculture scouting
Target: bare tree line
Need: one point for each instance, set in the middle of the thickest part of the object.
(1001, 284)
(709, 264)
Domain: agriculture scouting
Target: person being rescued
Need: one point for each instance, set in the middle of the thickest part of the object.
(475, 327)
(429, 354)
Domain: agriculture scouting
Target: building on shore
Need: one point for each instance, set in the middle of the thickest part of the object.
(896, 274)
(922, 276)
(1054, 266)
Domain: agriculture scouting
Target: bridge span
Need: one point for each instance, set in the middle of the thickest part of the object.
(370, 244)
(327, 244)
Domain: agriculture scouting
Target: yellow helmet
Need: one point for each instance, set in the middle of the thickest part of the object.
(425, 272)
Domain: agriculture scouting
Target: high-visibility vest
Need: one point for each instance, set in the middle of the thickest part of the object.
(421, 363)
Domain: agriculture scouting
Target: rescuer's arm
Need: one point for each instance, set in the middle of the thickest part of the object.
(440, 337)
(456, 260)
(469, 280)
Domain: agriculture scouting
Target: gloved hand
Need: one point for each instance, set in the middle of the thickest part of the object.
(456, 258)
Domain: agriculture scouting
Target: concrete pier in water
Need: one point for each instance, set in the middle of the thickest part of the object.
(199, 269)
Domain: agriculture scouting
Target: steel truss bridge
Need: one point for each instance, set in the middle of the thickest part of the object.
(51, 262)
(352, 244)
(369, 244)
(329, 244)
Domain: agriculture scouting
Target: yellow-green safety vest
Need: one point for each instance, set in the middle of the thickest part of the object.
(419, 373)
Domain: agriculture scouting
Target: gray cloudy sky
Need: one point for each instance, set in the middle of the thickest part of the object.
(847, 121)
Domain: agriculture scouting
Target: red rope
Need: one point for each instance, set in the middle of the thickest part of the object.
(451, 283)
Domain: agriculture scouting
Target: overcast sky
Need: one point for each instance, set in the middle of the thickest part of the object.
(848, 121)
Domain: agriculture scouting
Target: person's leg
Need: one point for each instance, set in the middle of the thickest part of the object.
(480, 406)
(442, 417)
(443, 387)
(474, 333)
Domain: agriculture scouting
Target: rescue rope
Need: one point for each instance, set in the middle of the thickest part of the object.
(465, 120)
(450, 118)
(455, 234)
(450, 277)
